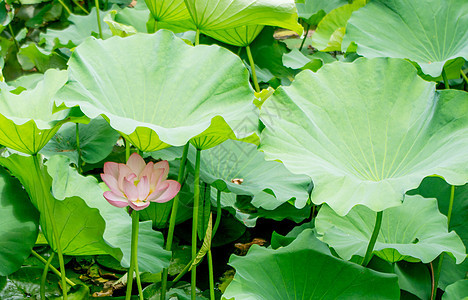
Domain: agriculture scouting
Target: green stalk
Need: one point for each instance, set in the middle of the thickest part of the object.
(14, 38)
(44, 275)
(197, 37)
(133, 256)
(40, 172)
(78, 149)
(375, 234)
(464, 76)
(305, 37)
(98, 18)
(57, 272)
(136, 220)
(441, 257)
(175, 206)
(252, 66)
(210, 271)
(81, 7)
(218, 214)
(444, 76)
(196, 200)
(127, 150)
(65, 6)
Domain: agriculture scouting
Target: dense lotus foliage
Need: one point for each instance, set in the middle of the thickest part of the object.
(234, 149)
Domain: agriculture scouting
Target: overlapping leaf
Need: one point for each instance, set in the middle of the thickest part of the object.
(416, 230)
(19, 224)
(312, 11)
(371, 138)
(428, 32)
(81, 28)
(165, 93)
(239, 168)
(301, 270)
(26, 119)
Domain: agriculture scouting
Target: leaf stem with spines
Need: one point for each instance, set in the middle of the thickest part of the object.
(41, 172)
(175, 206)
(196, 201)
(57, 272)
(444, 76)
(44, 275)
(305, 37)
(441, 257)
(98, 18)
(252, 67)
(373, 239)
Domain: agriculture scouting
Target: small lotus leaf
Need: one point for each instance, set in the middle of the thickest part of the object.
(414, 230)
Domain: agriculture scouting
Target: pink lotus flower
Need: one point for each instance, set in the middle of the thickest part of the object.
(137, 183)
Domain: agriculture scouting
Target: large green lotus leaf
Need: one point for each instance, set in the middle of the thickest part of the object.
(312, 11)
(240, 36)
(117, 233)
(428, 32)
(86, 222)
(240, 168)
(26, 119)
(299, 270)
(371, 138)
(331, 29)
(228, 14)
(143, 98)
(19, 223)
(80, 227)
(97, 140)
(414, 230)
(457, 291)
(81, 27)
(297, 60)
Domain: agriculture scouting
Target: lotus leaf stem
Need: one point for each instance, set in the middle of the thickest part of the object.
(196, 201)
(432, 280)
(81, 7)
(441, 257)
(78, 149)
(57, 272)
(65, 6)
(175, 206)
(252, 67)
(44, 276)
(98, 18)
(134, 258)
(464, 76)
(218, 214)
(444, 76)
(40, 172)
(305, 37)
(373, 239)
(210, 272)
(197, 37)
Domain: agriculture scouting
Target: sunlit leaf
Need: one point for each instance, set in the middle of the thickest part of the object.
(143, 98)
(26, 120)
(414, 231)
(428, 32)
(300, 270)
(369, 139)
